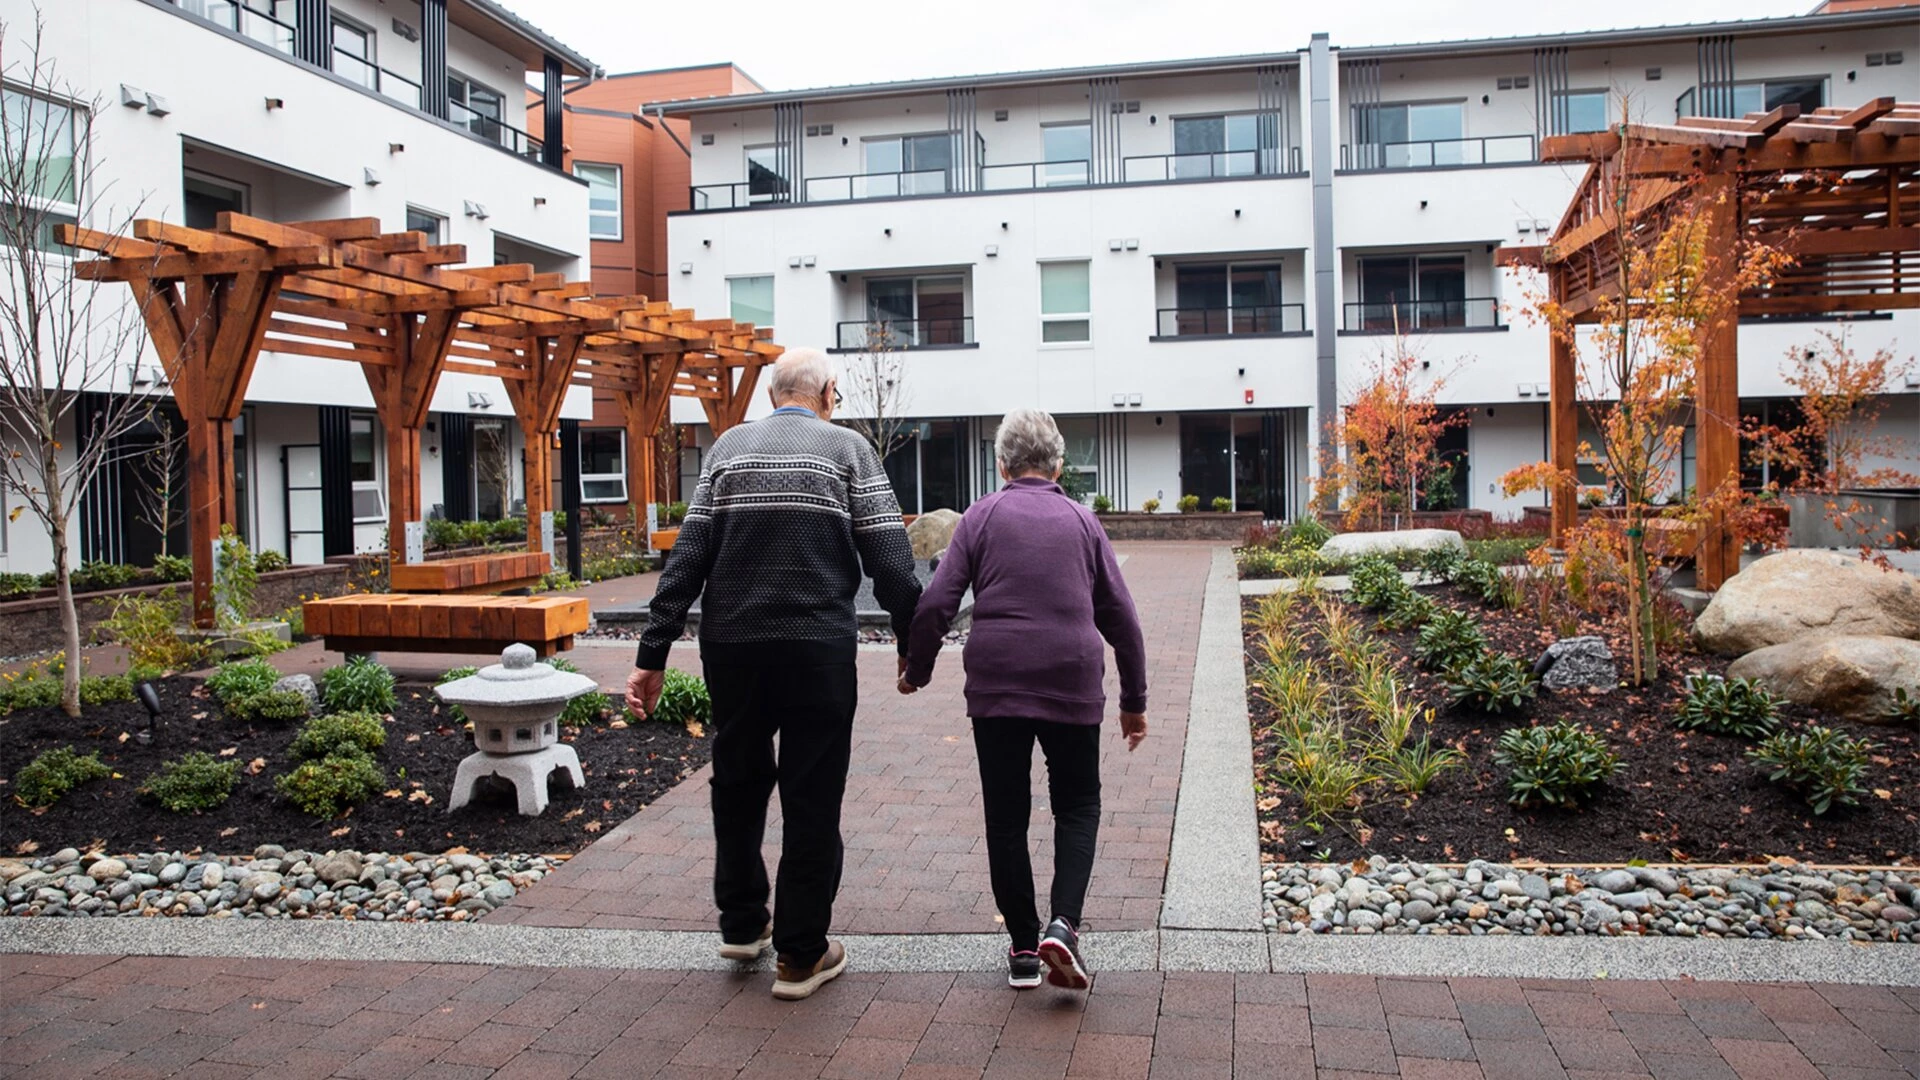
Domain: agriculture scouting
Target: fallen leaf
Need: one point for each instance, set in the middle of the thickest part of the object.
(450, 851)
(1267, 803)
(230, 751)
(415, 737)
(694, 729)
(393, 793)
(571, 814)
(341, 831)
(1882, 793)
(124, 737)
(26, 847)
(229, 831)
(617, 725)
(420, 797)
(592, 826)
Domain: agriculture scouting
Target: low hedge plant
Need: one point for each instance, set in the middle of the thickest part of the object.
(1557, 764)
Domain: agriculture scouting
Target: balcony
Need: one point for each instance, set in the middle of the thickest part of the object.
(1273, 320)
(1219, 165)
(376, 78)
(949, 332)
(1438, 153)
(1422, 316)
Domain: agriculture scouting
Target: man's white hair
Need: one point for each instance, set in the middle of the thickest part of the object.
(800, 373)
(1029, 442)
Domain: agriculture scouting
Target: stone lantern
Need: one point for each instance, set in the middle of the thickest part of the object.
(515, 707)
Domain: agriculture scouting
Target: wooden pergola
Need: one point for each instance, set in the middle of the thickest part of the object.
(406, 313)
(1837, 189)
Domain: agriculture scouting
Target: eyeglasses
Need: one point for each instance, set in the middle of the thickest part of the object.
(837, 397)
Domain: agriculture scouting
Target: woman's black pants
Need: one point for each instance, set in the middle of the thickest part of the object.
(1005, 746)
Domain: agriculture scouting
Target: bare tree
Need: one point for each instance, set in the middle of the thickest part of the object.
(62, 340)
(160, 472)
(875, 386)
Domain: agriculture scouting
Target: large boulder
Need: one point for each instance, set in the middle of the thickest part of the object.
(931, 532)
(1355, 544)
(1807, 593)
(1852, 675)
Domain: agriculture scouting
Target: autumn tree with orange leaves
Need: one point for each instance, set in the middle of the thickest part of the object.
(1385, 441)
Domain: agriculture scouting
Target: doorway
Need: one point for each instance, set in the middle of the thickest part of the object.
(492, 469)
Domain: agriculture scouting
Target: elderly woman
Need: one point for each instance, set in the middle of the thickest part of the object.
(1046, 590)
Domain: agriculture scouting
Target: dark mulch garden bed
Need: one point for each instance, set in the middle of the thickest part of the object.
(1680, 796)
(626, 768)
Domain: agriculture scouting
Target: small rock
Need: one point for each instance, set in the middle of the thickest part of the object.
(65, 855)
(173, 873)
(341, 866)
(1637, 900)
(213, 875)
(1614, 881)
(303, 685)
(1363, 920)
(266, 890)
(1897, 913)
(1536, 888)
(269, 851)
(107, 870)
(1418, 911)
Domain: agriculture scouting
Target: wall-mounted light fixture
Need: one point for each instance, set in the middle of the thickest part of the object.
(1133, 244)
(706, 243)
(1133, 400)
(1423, 204)
(1003, 226)
(1525, 389)
(809, 260)
(474, 209)
(276, 103)
(539, 200)
(686, 268)
(1236, 211)
(1116, 244)
(889, 232)
(396, 148)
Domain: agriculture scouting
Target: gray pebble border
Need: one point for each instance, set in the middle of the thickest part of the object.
(274, 884)
(1778, 901)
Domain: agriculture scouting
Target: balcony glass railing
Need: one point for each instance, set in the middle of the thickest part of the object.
(1435, 153)
(906, 333)
(1035, 174)
(1264, 319)
(1482, 313)
(1218, 165)
(245, 20)
(376, 78)
(496, 130)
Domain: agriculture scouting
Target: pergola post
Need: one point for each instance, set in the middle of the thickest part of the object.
(402, 398)
(537, 401)
(1717, 400)
(642, 409)
(1563, 422)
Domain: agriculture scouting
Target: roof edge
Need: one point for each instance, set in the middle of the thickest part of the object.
(567, 55)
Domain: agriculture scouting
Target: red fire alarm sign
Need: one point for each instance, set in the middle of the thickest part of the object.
(1249, 397)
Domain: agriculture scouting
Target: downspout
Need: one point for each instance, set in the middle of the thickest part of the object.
(660, 114)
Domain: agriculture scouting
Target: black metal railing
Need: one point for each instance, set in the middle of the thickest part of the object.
(1031, 175)
(376, 78)
(879, 185)
(250, 22)
(1481, 312)
(906, 333)
(1436, 153)
(1263, 319)
(493, 129)
(1218, 165)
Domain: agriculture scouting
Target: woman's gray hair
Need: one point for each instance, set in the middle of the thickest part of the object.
(800, 373)
(1029, 442)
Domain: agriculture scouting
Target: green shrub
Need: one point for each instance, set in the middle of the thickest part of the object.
(1555, 764)
(683, 699)
(347, 732)
(1442, 563)
(1309, 531)
(15, 586)
(1905, 708)
(42, 781)
(147, 626)
(1221, 504)
(1412, 767)
(1408, 610)
(676, 512)
(172, 568)
(359, 685)
(241, 678)
(1188, 504)
(1824, 765)
(329, 785)
(105, 689)
(442, 533)
(1729, 707)
(1259, 562)
(94, 576)
(268, 706)
(1481, 580)
(613, 566)
(1150, 506)
(1375, 582)
(506, 530)
(268, 560)
(193, 782)
(1450, 639)
(455, 712)
(1492, 683)
(30, 690)
(1102, 504)
(586, 708)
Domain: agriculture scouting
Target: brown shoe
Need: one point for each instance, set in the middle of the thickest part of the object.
(792, 983)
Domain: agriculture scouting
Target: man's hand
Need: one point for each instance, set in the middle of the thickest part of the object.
(903, 685)
(1133, 727)
(643, 691)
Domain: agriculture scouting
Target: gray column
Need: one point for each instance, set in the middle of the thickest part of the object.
(433, 57)
(553, 135)
(313, 33)
(1325, 266)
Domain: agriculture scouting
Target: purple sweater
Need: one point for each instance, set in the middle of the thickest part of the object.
(1046, 589)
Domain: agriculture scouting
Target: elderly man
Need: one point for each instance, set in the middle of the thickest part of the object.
(787, 512)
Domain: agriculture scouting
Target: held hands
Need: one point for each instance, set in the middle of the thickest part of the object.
(1133, 728)
(903, 685)
(643, 691)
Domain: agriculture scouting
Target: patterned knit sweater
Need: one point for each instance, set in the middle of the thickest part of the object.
(787, 512)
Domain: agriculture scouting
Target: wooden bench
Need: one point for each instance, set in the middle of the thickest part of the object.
(499, 573)
(662, 539)
(398, 622)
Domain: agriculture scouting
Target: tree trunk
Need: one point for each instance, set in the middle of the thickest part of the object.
(63, 591)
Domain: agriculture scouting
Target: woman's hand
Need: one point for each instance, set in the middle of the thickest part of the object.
(1133, 728)
(906, 687)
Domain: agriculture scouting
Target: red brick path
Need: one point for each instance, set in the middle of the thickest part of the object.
(76, 1016)
(916, 861)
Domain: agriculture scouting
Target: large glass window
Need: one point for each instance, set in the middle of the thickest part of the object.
(1576, 111)
(603, 465)
(1411, 135)
(426, 221)
(353, 54)
(1068, 152)
(1216, 146)
(206, 197)
(1066, 302)
(603, 199)
(369, 502)
(916, 311)
(907, 165)
(1226, 298)
(1082, 436)
(46, 138)
(1410, 292)
(478, 106)
(1809, 94)
(752, 299)
(767, 179)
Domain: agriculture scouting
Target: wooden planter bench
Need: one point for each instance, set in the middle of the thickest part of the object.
(497, 573)
(396, 622)
(662, 539)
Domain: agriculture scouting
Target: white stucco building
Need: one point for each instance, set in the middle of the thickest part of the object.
(409, 111)
(1190, 262)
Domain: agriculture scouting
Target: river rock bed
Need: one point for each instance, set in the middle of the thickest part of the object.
(1779, 900)
(273, 884)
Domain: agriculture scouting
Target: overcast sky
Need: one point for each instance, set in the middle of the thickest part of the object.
(787, 45)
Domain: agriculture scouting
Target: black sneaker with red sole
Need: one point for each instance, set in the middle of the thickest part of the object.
(1060, 951)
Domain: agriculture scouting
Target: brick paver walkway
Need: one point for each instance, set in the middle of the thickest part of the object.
(75, 1016)
(916, 860)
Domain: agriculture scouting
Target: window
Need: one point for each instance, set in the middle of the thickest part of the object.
(1410, 135)
(1068, 151)
(1217, 145)
(47, 137)
(767, 179)
(426, 221)
(353, 55)
(752, 299)
(1576, 111)
(1809, 94)
(603, 199)
(914, 311)
(1412, 292)
(603, 465)
(1082, 437)
(1066, 304)
(475, 105)
(206, 197)
(369, 502)
(907, 165)
(1226, 298)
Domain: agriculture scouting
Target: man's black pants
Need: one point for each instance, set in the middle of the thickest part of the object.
(806, 696)
(1005, 746)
